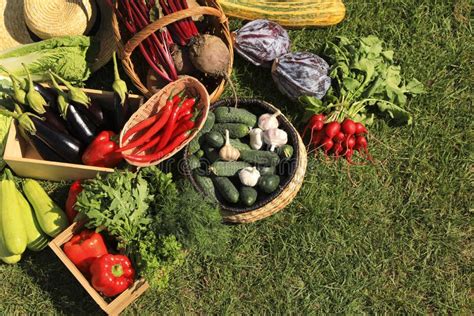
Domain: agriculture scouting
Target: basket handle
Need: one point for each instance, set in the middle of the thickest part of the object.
(167, 20)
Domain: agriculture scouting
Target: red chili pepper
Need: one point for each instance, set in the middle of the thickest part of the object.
(187, 108)
(102, 152)
(170, 126)
(184, 124)
(84, 248)
(156, 126)
(112, 274)
(74, 191)
(158, 154)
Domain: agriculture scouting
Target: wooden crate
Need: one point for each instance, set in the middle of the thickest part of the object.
(120, 302)
(25, 161)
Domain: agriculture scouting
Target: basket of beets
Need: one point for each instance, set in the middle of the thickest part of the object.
(248, 157)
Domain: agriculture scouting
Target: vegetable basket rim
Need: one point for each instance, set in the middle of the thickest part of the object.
(125, 50)
(287, 190)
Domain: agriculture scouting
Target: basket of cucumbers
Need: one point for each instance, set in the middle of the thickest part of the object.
(247, 156)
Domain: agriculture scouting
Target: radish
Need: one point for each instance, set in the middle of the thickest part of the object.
(362, 144)
(337, 149)
(350, 142)
(317, 137)
(339, 138)
(327, 144)
(348, 155)
(331, 129)
(360, 129)
(315, 123)
(348, 127)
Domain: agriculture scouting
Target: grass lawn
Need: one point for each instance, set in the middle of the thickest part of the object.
(392, 237)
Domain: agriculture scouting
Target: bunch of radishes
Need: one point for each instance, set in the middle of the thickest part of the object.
(337, 139)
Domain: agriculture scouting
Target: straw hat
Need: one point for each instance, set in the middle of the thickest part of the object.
(54, 18)
(21, 20)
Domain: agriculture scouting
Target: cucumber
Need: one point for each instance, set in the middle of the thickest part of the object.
(37, 240)
(193, 162)
(211, 153)
(214, 139)
(236, 143)
(268, 184)
(236, 130)
(260, 157)
(265, 171)
(205, 183)
(211, 118)
(285, 151)
(227, 168)
(248, 196)
(227, 189)
(51, 217)
(226, 114)
(199, 153)
(195, 144)
(12, 227)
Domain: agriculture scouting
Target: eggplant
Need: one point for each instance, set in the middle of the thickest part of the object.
(52, 119)
(120, 113)
(80, 125)
(66, 146)
(43, 149)
(93, 112)
(48, 94)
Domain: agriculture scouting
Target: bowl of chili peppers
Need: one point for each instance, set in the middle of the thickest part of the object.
(166, 123)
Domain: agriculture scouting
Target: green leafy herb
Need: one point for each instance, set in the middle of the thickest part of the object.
(364, 75)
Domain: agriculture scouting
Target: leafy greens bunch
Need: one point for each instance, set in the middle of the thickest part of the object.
(153, 219)
(364, 79)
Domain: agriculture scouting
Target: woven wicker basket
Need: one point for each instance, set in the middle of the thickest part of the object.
(133, 65)
(194, 89)
(289, 186)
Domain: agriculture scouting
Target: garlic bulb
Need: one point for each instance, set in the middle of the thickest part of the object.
(249, 176)
(228, 152)
(256, 141)
(268, 121)
(275, 137)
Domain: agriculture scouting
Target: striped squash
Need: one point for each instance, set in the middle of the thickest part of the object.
(289, 13)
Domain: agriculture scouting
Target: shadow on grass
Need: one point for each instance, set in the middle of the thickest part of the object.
(54, 278)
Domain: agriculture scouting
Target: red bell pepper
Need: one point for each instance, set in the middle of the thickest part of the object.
(84, 248)
(74, 191)
(102, 152)
(112, 274)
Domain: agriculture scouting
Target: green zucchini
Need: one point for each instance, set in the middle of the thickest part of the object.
(193, 162)
(37, 240)
(205, 183)
(226, 188)
(226, 114)
(236, 130)
(227, 168)
(211, 118)
(265, 171)
(214, 139)
(5, 255)
(260, 157)
(268, 184)
(236, 143)
(51, 217)
(248, 196)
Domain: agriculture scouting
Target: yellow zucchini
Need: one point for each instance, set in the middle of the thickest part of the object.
(37, 240)
(50, 216)
(289, 13)
(12, 228)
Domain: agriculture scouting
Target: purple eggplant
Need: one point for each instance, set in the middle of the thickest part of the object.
(43, 149)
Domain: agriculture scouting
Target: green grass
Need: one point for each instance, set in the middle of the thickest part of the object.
(393, 237)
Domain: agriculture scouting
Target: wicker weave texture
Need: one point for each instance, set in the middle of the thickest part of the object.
(210, 9)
